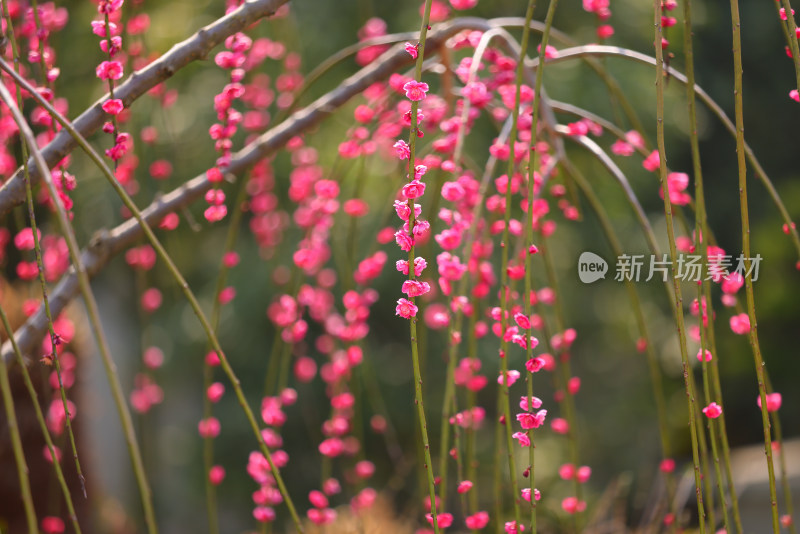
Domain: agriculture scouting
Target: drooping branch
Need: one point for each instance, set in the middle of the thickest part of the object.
(198, 46)
(106, 244)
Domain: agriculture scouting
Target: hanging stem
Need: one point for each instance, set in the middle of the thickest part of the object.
(16, 445)
(532, 165)
(702, 236)
(37, 409)
(208, 372)
(162, 253)
(678, 299)
(505, 290)
(418, 399)
(748, 278)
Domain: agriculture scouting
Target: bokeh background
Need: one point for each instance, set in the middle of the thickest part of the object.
(616, 416)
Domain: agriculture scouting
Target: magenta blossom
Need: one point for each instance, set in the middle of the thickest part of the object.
(406, 308)
(415, 91)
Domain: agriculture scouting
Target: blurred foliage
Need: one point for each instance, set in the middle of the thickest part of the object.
(617, 426)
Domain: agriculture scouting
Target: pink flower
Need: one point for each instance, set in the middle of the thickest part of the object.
(477, 94)
(652, 162)
(477, 521)
(412, 50)
(534, 365)
(677, 182)
(113, 106)
(522, 320)
(318, 499)
(419, 265)
(415, 288)
(713, 410)
(264, 514)
(701, 356)
(215, 213)
(413, 189)
(583, 473)
(605, 31)
(403, 150)
(536, 403)
(511, 375)
(667, 465)
(529, 420)
(464, 486)
(511, 527)
(403, 210)
(209, 428)
(24, 239)
(415, 91)
(622, 148)
(153, 357)
(331, 447)
(305, 369)
(634, 138)
(364, 469)
(449, 239)
(99, 28)
(443, 520)
(463, 4)
(215, 391)
(406, 308)
(404, 241)
(572, 505)
(109, 70)
(794, 95)
(526, 494)
(216, 475)
(151, 300)
(331, 486)
(559, 425)
(52, 525)
(566, 472)
(522, 438)
(740, 324)
(439, 11)
(732, 283)
(214, 175)
(773, 402)
(108, 6)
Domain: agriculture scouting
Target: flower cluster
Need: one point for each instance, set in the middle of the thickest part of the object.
(602, 11)
(109, 28)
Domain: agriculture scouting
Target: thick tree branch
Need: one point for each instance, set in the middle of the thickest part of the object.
(12, 193)
(107, 244)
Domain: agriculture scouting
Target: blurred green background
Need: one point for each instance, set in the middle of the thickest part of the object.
(616, 417)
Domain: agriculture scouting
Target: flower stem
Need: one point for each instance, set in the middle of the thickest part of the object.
(532, 165)
(37, 409)
(418, 398)
(16, 446)
(706, 308)
(748, 278)
(678, 299)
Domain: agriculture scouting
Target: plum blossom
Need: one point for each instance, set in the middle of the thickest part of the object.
(406, 309)
(713, 410)
(415, 91)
